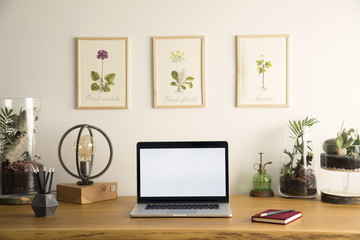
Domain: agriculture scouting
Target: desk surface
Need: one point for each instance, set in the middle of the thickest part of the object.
(110, 220)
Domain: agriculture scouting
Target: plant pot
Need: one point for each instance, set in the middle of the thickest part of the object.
(44, 205)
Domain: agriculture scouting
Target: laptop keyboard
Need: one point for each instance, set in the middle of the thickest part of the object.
(182, 206)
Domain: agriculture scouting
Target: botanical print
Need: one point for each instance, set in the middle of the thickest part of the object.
(262, 66)
(180, 75)
(102, 84)
(263, 71)
(179, 72)
(102, 73)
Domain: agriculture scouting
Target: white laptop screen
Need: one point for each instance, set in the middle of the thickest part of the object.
(182, 172)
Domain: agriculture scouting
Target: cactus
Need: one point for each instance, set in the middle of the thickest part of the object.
(330, 146)
(344, 139)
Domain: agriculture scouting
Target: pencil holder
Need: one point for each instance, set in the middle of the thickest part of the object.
(44, 205)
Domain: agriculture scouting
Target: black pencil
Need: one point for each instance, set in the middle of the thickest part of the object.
(47, 179)
(36, 181)
(44, 185)
(51, 178)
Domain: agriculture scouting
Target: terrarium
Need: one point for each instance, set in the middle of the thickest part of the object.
(19, 149)
(297, 173)
(341, 155)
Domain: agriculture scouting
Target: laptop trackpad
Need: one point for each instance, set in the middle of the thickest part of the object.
(181, 212)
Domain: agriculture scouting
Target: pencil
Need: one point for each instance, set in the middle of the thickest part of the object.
(36, 181)
(275, 212)
(51, 178)
(47, 179)
(44, 173)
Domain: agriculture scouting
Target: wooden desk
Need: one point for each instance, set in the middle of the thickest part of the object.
(110, 220)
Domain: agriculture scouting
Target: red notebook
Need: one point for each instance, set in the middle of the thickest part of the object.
(282, 218)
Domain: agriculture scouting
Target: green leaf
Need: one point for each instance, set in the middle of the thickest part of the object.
(183, 87)
(110, 77)
(106, 89)
(109, 84)
(190, 85)
(268, 64)
(189, 78)
(175, 75)
(95, 87)
(339, 142)
(173, 84)
(94, 76)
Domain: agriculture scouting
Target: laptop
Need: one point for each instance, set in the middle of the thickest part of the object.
(182, 179)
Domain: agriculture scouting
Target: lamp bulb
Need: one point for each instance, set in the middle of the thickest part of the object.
(87, 147)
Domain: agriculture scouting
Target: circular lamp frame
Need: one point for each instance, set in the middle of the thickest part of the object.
(85, 180)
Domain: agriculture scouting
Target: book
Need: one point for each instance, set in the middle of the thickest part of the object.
(282, 218)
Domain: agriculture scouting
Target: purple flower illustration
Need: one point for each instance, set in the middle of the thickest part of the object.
(102, 54)
(101, 83)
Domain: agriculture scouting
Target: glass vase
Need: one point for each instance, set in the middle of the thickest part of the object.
(297, 173)
(19, 148)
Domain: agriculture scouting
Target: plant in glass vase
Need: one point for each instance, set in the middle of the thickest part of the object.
(297, 177)
(16, 161)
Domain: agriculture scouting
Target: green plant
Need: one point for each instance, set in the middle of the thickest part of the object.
(298, 134)
(7, 131)
(344, 139)
(297, 178)
(342, 144)
(357, 140)
(262, 66)
(181, 80)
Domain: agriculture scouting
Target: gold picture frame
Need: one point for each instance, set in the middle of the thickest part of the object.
(179, 72)
(260, 56)
(103, 73)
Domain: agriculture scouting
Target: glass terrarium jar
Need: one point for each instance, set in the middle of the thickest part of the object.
(341, 156)
(297, 173)
(19, 147)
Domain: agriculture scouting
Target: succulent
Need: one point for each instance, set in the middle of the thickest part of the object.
(345, 138)
(330, 146)
(354, 155)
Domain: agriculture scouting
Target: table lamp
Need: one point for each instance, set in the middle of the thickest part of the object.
(86, 190)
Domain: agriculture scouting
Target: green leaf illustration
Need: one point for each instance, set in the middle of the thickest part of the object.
(173, 84)
(268, 64)
(109, 83)
(189, 78)
(175, 75)
(110, 77)
(183, 87)
(95, 87)
(106, 89)
(95, 76)
(190, 85)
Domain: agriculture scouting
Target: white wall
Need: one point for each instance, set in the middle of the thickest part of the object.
(38, 58)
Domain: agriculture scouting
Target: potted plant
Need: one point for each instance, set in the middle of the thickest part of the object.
(339, 152)
(297, 177)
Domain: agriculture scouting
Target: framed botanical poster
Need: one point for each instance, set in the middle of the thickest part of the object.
(102, 72)
(263, 71)
(179, 72)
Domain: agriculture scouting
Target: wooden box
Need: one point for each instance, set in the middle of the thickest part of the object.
(71, 192)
